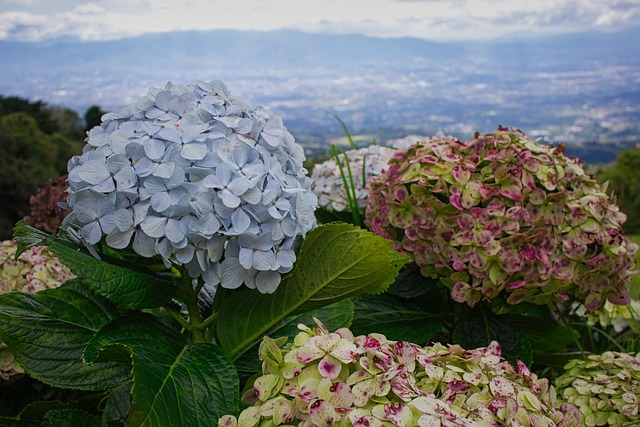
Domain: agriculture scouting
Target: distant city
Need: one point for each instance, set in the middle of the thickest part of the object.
(582, 90)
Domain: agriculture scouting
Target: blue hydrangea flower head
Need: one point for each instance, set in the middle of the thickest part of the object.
(196, 176)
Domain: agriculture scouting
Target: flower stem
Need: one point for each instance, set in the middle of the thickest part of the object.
(179, 318)
(189, 297)
(207, 322)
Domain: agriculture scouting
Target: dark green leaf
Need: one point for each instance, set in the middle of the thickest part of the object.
(118, 405)
(335, 316)
(174, 383)
(325, 216)
(545, 334)
(34, 414)
(411, 284)
(48, 331)
(128, 285)
(336, 261)
(71, 417)
(397, 319)
(480, 326)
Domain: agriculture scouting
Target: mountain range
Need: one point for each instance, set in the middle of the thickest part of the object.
(581, 89)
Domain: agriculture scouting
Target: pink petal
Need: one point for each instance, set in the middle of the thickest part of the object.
(329, 367)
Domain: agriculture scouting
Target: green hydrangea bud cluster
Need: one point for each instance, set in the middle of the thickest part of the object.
(605, 388)
(503, 214)
(336, 379)
(36, 269)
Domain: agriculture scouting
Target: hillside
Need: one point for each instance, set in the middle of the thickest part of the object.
(581, 89)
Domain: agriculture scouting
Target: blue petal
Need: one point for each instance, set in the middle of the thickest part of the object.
(154, 226)
(118, 239)
(94, 172)
(173, 231)
(263, 260)
(232, 274)
(91, 233)
(240, 221)
(154, 148)
(194, 151)
(267, 281)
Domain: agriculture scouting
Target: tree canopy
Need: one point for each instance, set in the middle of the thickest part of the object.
(36, 141)
(624, 181)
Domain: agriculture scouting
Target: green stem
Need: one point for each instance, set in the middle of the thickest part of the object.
(207, 322)
(189, 296)
(179, 318)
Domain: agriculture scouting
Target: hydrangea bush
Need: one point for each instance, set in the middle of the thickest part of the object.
(364, 163)
(190, 176)
(605, 388)
(46, 212)
(35, 270)
(326, 379)
(198, 177)
(504, 215)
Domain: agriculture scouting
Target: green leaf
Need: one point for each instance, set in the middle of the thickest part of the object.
(411, 284)
(325, 216)
(71, 417)
(34, 413)
(128, 285)
(48, 331)
(345, 129)
(545, 334)
(335, 316)
(336, 261)
(174, 383)
(8, 421)
(397, 319)
(480, 326)
(118, 405)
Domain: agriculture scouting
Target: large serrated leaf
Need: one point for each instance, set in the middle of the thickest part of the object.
(174, 383)
(47, 333)
(335, 316)
(129, 286)
(480, 326)
(336, 261)
(34, 413)
(544, 333)
(117, 405)
(71, 417)
(397, 319)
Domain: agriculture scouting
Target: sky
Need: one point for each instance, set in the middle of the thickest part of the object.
(39, 20)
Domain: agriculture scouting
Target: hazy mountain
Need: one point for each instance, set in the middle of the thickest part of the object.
(581, 88)
(286, 48)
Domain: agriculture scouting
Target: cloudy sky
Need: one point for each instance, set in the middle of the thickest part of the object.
(36, 20)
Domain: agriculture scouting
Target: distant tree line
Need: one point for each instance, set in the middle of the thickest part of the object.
(37, 140)
(624, 180)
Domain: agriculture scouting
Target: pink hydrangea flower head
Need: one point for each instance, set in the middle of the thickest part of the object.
(379, 382)
(504, 215)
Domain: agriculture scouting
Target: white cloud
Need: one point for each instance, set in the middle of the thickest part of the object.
(430, 19)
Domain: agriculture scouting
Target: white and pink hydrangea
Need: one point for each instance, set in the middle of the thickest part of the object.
(504, 215)
(393, 383)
